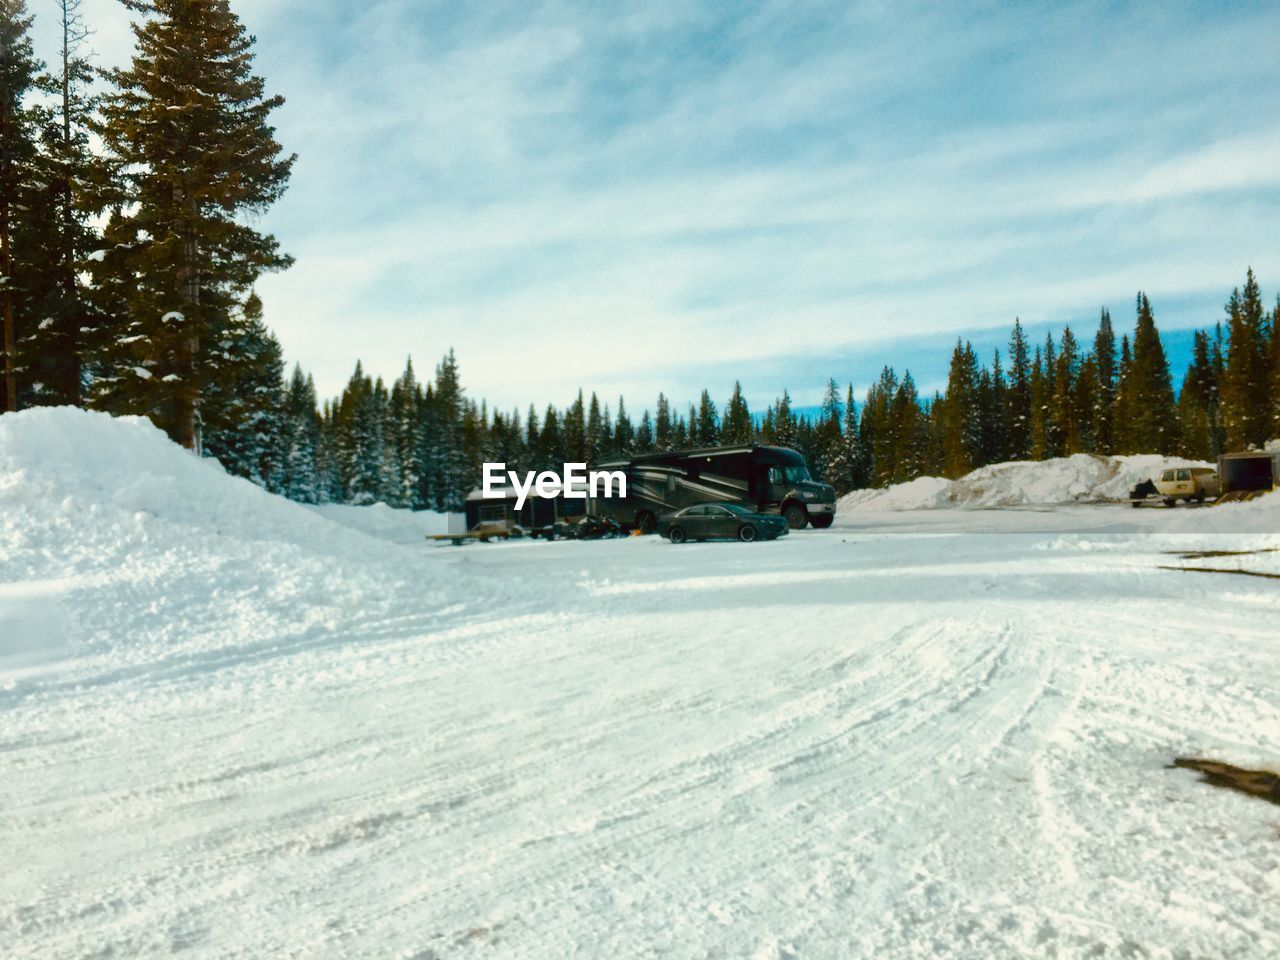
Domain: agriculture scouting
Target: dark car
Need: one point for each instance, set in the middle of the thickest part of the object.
(727, 521)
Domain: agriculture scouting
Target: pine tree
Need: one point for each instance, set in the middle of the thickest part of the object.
(831, 451)
(1065, 417)
(961, 433)
(301, 440)
(551, 441)
(1041, 436)
(404, 426)
(708, 421)
(644, 435)
(663, 428)
(624, 440)
(593, 428)
(245, 429)
(1019, 395)
(737, 427)
(856, 452)
(187, 126)
(1275, 370)
(55, 348)
(1153, 425)
(910, 430)
(784, 424)
(1102, 410)
(1246, 384)
(1197, 403)
(1121, 421)
(18, 174)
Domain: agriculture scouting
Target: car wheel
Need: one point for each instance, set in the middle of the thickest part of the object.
(676, 535)
(796, 516)
(747, 533)
(822, 520)
(646, 522)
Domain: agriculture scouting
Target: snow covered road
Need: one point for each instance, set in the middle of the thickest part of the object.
(842, 744)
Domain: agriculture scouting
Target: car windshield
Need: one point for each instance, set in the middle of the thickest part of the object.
(734, 508)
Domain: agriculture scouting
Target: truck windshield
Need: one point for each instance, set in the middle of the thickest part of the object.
(795, 474)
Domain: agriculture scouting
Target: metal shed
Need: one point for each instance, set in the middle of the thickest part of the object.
(1255, 471)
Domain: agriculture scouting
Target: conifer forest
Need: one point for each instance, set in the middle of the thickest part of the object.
(129, 255)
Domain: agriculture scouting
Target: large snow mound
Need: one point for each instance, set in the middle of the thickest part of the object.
(117, 536)
(1082, 478)
(383, 522)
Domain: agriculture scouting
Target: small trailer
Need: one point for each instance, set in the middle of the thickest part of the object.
(495, 517)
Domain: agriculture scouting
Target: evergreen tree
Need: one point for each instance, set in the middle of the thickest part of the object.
(624, 441)
(551, 442)
(1065, 418)
(453, 479)
(18, 174)
(737, 427)
(961, 433)
(910, 428)
(1019, 396)
(1121, 421)
(1153, 425)
(55, 348)
(1041, 431)
(708, 421)
(404, 428)
(1246, 384)
(245, 429)
(784, 424)
(644, 435)
(595, 443)
(301, 440)
(856, 454)
(663, 437)
(187, 127)
(829, 443)
(1102, 410)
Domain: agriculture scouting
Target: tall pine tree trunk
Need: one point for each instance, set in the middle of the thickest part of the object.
(187, 400)
(71, 389)
(6, 276)
(6, 273)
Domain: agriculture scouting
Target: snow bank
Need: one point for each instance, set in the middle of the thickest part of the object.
(1082, 478)
(109, 527)
(384, 522)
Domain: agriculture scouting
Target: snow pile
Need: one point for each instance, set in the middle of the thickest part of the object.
(393, 524)
(119, 537)
(1082, 478)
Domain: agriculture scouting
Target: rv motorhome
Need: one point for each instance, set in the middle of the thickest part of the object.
(766, 479)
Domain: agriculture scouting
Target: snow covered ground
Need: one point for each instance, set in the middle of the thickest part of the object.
(235, 727)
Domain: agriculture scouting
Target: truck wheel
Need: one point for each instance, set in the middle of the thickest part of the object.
(822, 520)
(676, 535)
(796, 515)
(1170, 502)
(747, 533)
(646, 522)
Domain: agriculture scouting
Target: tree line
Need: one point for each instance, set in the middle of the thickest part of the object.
(421, 445)
(127, 271)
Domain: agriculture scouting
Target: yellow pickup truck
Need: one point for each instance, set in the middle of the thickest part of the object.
(1187, 483)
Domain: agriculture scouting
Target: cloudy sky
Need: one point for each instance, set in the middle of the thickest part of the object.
(676, 194)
